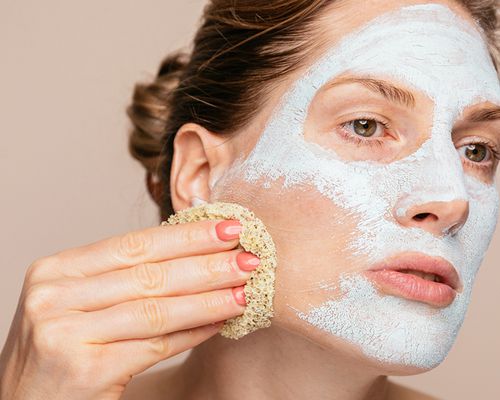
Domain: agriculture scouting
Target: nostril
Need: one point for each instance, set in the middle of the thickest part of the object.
(422, 216)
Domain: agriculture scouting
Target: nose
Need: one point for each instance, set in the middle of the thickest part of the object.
(439, 218)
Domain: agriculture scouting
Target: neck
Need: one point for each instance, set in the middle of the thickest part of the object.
(274, 364)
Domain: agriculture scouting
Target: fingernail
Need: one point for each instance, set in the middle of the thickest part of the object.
(247, 261)
(228, 230)
(239, 295)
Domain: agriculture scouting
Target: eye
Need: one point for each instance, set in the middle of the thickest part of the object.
(364, 131)
(476, 152)
(364, 127)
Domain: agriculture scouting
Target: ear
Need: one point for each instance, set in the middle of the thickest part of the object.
(200, 158)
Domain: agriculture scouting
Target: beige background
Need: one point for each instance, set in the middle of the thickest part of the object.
(67, 73)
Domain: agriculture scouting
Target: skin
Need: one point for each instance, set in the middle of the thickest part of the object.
(149, 294)
(78, 316)
(292, 357)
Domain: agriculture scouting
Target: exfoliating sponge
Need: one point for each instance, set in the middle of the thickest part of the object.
(254, 238)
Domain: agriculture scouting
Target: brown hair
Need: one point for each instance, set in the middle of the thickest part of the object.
(240, 50)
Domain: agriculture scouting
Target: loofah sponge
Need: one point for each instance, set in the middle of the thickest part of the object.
(254, 237)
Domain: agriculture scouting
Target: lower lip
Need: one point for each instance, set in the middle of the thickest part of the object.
(412, 287)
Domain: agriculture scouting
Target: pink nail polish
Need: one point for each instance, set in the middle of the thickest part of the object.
(228, 230)
(239, 295)
(247, 261)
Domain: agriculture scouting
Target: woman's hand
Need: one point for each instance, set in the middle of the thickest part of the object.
(91, 317)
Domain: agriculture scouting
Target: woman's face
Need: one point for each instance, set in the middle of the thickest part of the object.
(383, 147)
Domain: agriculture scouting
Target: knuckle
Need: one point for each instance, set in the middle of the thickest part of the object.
(40, 267)
(212, 303)
(218, 268)
(161, 346)
(133, 245)
(150, 278)
(193, 233)
(155, 315)
(39, 299)
(208, 269)
(46, 337)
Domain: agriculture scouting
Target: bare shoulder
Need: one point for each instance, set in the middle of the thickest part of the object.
(151, 385)
(400, 392)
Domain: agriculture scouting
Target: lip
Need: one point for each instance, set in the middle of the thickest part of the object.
(390, 279)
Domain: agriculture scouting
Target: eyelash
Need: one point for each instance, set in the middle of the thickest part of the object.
(494, 153)
(379, 141)
(357, 140)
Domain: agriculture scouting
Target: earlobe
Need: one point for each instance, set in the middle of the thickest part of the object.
(198, 159)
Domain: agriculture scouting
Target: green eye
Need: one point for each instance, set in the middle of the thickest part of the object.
(476, 152)
(364, 127)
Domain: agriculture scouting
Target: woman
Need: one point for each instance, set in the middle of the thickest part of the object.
(365, 141)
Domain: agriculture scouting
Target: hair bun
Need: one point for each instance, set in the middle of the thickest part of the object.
(150, 110)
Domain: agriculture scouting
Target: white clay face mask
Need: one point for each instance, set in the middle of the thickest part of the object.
(431, 49)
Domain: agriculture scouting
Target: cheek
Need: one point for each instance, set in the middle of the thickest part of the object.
(312, 236)
(478, 231)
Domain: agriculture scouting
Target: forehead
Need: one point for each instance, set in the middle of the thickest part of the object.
(427, 46)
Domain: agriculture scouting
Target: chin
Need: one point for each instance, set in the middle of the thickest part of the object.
(353, 354)
(389, 335)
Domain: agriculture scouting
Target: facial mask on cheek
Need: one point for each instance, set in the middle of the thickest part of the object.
(431, 49)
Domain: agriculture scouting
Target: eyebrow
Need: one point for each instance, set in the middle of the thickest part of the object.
(386, 89)
(487, 114)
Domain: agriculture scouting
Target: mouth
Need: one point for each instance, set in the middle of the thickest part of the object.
(416, 276)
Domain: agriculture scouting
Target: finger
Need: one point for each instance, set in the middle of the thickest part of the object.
(177, 277)
(148, 245)
(144, 353)
(146, 318)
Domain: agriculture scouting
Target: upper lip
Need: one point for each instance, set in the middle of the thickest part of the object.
(422, 262)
